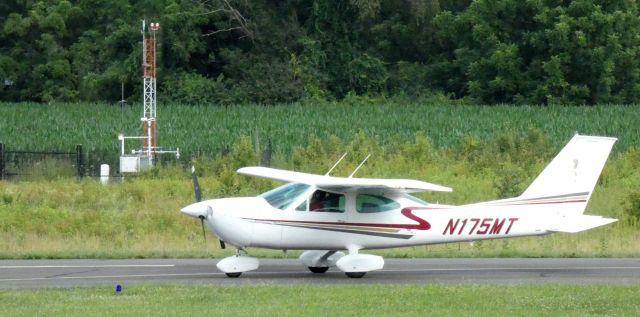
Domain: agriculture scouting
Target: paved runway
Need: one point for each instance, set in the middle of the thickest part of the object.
(70, 273)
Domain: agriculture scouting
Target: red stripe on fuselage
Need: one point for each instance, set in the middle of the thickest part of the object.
(516, 203)
(422, 224)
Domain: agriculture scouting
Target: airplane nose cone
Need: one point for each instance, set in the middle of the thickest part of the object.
(195, 210)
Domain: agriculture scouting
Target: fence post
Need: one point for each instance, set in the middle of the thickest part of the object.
(1, 160)
(266, 155)
(79, 161)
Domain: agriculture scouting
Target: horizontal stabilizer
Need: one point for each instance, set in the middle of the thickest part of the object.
(579, 223)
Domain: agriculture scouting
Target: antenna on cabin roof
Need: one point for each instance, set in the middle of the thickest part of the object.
(359, 166)
(336, 164)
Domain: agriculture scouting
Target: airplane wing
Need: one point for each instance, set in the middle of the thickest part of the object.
(342, 183)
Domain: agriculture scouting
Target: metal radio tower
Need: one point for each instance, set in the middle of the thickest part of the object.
(149, 121)
(144, 158)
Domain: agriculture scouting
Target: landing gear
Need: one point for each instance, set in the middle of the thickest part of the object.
(318, 269)
(355, 274)
(356, 265)
(319, 261)
(233, 266)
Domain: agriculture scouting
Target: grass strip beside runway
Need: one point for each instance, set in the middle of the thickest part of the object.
(350, 300)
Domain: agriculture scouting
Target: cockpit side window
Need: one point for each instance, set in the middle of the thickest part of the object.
(284, 196)
(302, 206)
(323, 201)
(367, 203)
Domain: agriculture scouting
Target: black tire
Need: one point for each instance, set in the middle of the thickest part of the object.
(355, 274)
(318, 269)
(234, 274)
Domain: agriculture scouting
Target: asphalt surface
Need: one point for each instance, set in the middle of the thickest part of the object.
(71, 273)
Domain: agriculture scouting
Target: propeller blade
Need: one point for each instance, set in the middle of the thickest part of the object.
(204, 235)
(196, 185)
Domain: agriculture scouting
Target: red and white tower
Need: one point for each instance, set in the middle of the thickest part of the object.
(144, 158)
(149, 120)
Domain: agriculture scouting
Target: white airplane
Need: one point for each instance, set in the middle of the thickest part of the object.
(327, 215)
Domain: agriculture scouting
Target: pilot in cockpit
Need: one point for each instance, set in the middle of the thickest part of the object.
(316, 203)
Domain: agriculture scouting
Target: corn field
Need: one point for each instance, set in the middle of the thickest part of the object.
(206, 130)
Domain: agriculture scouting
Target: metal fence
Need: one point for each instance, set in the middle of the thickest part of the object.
(80, 162)
(25, 163)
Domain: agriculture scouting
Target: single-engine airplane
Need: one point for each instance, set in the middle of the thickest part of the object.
(334, 218)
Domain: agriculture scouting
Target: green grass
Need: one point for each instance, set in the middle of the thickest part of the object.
(493, 153)
(68, 218)
(350, 300)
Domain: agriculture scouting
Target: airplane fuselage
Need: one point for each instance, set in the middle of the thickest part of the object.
(252, 222)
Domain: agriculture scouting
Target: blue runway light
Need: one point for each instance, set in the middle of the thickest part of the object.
(118, 289)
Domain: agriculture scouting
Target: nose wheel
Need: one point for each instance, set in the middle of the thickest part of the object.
(234, 265)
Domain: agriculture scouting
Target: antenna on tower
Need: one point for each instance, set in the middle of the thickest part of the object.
(122, 100)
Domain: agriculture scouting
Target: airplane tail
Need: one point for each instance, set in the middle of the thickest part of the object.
(569, 180)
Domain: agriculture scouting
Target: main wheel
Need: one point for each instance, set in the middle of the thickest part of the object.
(234, 274)
(355, 274)
(318, 269)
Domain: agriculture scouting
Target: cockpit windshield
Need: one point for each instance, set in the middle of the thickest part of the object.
(283, 196)
(416, 199)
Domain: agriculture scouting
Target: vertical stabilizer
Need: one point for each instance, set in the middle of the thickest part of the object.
(573, 173)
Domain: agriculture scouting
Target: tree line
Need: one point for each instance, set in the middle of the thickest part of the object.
(267, 51)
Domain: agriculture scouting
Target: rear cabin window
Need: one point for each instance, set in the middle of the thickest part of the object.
(323, 201)
(366, 203)
(284, 196)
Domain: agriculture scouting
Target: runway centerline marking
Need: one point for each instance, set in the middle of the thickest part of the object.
(516, 268)
(104, 276)
(83, 266)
